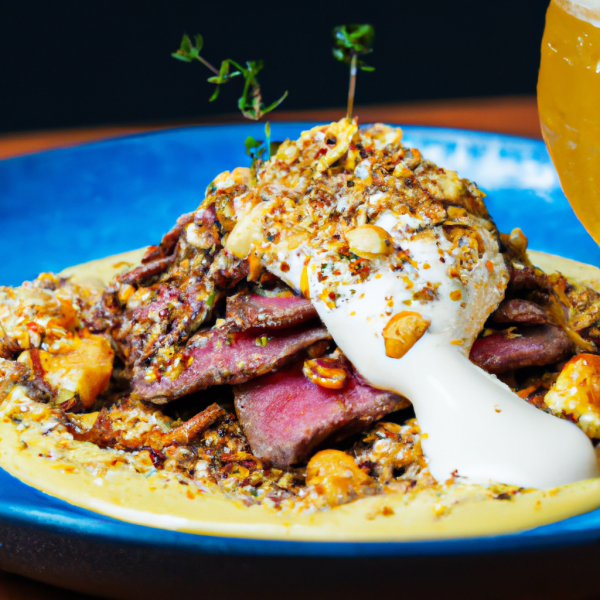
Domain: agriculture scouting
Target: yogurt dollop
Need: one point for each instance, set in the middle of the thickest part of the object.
(473, 425)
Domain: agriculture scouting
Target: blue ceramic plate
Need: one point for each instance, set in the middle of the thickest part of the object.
(69, 206)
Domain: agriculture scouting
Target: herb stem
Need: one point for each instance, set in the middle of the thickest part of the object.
(352, 42)
(268, 142)
(207, 64)
(352, 87)
(250, 103)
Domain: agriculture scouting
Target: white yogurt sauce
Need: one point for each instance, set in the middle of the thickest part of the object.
(475, 426)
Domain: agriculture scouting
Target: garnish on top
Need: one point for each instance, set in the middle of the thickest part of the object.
(351, 42)
(250, 102)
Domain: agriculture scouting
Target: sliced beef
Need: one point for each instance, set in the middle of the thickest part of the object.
(527, 278)
(252, 310)
(221, 355)
(165, 320)
(146, 271)
(536, 345)
(285, 415)
(225, 271)
(169, 241)
(171, 310)
(520, 311)
(152, 310)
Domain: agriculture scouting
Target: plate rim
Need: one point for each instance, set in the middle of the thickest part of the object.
(274, 124)
(61, 518)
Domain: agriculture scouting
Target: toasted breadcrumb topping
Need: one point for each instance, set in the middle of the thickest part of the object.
(67, 394)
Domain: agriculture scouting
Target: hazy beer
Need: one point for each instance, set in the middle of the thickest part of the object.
(569, 103)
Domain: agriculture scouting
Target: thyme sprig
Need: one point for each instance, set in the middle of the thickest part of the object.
(250, 102)
(256, 148)
(351, 42)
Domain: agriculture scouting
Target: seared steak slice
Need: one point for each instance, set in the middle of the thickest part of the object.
(169, 241)
(520, 311)
(285, 415)
(153, 310)
(252, 310)
(527, 278)
(146, 271)
(222, 355)
(165, 321)
(537, 345)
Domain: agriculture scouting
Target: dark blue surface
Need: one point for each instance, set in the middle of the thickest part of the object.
(68, 206)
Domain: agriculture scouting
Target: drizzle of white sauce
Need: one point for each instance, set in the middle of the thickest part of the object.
(475, 426)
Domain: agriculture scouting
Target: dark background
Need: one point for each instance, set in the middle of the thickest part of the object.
(68, 63)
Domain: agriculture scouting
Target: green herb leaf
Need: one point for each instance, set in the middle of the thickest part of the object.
(186, 45)
(215, 94)
(187, 51)
(273, 147)
(251, 143)
(181, 57)
(338, 53)
(351, 42)
(211, 299)
(275, 104)
(250, 102)
(184, 51)
(255, 150)
(223, 77)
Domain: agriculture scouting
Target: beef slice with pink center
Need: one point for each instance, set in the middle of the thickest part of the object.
(220, 356)
(285, 415)
(252, 310)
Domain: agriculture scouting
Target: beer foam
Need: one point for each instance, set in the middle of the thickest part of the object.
(586, 10)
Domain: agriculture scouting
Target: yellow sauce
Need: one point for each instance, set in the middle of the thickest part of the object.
(159, 500)
(569, 101)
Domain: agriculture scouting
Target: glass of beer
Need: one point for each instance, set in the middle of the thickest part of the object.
(569, 103)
